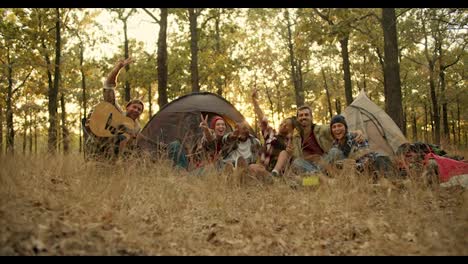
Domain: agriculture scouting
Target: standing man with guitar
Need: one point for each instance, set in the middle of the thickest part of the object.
(115, 131)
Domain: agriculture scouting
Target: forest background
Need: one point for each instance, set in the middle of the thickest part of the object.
(411, 62)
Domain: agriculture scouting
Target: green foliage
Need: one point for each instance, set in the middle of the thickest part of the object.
(240, 49)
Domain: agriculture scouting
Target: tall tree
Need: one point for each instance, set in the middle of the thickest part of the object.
(54, 85)
(1, 129)
(450, 24)
(15, 67)
(343, 34)
(219, 80)
(296, 67)
(393, 97)
(193, 16)
(11, 90)
(431, 61)
(123, 14)
(162, 68)
(325, 84)
(65, 132)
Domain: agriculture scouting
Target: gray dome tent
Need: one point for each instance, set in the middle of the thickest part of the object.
(180, 120)
(383, 134)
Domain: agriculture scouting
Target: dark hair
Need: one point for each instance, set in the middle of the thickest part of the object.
(338, 119)
(302, 108)
(136, 101)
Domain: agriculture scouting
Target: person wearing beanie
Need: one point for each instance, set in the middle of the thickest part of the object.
(317, 141)
(211, 141)
(345, 146)
(338, 127)
(218, 125)
(343, 140)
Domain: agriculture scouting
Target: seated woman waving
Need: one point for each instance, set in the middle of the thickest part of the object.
(345, 146)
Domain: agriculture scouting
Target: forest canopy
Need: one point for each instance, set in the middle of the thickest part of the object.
(411, 62)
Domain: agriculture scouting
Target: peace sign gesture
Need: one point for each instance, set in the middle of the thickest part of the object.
(204, 121)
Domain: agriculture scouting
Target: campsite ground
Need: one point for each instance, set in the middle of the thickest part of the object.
(63, 206)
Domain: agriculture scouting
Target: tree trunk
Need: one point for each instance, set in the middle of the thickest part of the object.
(35, 134)
(338, 106)
(426, 137)
(382, 65)
(30, 132)
(65, 132)
(415, 127)
(405, 116)
(83, 82)
(83, 95)
(444, 100)
(10, 142)
(435, 105)
(364, 82)
(150, 95)
(466, 139)
(328, 94)
(454, 124)
(81, 136)
(59, 136)
(346, 70)
(300, 80)
(1, 129)
(458, 120)
(294, 71)
(194, 49)
(393, 98)
(25, 133)
(431, 116)
(53, 90)
(162, 59)
(127, 67)
(219, 81)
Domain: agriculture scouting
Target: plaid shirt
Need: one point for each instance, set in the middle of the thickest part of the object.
(273, 145)
(350, 145)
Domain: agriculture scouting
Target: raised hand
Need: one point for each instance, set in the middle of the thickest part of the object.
(123, 63)
(204, 122)
(112, 77)
(359, 136)
(255, 93)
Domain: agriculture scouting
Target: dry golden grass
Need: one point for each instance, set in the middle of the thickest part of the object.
(64, 206)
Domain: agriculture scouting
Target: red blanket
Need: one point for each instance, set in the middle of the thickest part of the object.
(447, 167)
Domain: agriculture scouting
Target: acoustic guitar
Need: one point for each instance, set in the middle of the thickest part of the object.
(107, 121)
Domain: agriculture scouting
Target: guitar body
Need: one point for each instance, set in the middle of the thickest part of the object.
(107, 121)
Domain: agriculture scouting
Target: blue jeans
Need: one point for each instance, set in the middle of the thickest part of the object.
(177, 154)
(300, 165)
